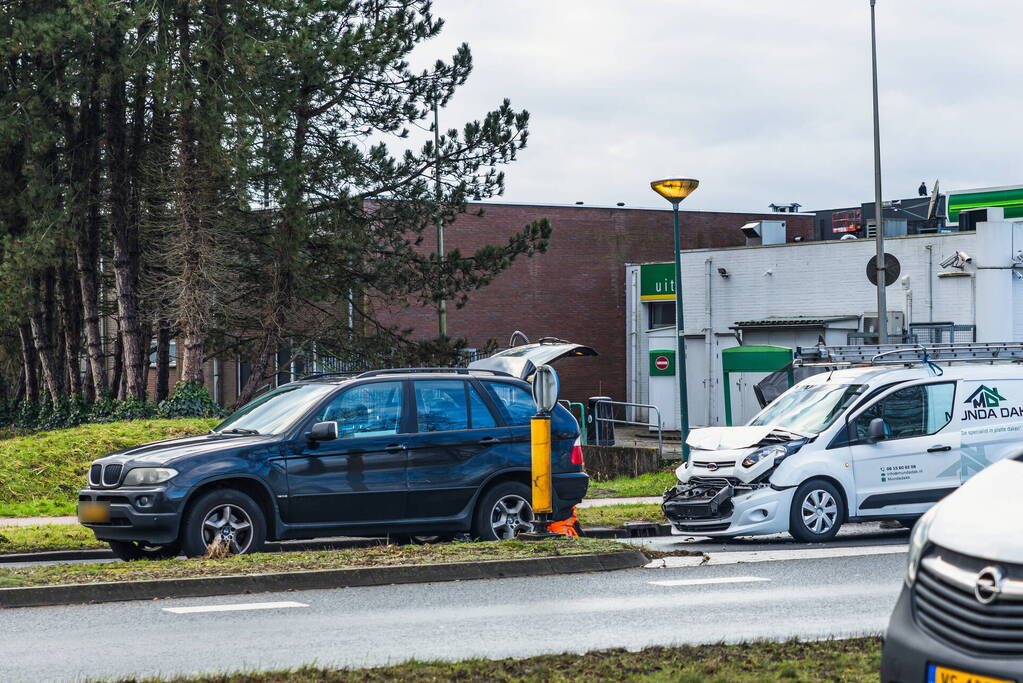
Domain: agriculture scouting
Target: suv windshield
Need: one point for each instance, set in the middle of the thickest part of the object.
(808, 408)
(276, 411)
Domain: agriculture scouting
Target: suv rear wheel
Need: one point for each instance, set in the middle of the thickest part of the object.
(225, 514)
(503, 512)
(817, 512)
(140, 550)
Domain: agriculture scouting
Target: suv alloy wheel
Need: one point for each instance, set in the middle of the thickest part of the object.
(226, 514)
(503, 512)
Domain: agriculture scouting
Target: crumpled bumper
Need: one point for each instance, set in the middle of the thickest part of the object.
(725, 513)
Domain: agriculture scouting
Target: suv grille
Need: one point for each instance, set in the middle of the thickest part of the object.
(111, 475)
(949, 611)
(105, 476)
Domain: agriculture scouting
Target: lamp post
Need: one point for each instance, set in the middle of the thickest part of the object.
(675, 190)
(882, 312)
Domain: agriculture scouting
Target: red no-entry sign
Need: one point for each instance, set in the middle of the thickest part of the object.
(662, 362)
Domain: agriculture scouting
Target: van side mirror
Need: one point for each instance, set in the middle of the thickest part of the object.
(877, 430)
(323, 431)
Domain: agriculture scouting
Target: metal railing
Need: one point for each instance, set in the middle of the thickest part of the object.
(598, 416)
(570, 406)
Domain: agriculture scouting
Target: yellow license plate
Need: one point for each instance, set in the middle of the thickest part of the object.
(941, 674)
(91, 512)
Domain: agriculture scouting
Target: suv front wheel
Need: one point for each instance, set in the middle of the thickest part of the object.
(503, 512)
(225, 514)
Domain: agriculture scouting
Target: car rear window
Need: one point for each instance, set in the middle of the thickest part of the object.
(517, 401)
(441, 405)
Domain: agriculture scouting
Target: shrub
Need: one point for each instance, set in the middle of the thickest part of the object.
(190, 399)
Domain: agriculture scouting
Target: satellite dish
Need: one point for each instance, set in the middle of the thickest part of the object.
(892, 269)
(932, 205)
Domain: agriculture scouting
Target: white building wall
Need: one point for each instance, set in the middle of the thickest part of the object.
(816, 279)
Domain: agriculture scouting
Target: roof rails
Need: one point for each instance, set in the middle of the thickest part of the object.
(457, 371)
(321, 375)
(905, 354)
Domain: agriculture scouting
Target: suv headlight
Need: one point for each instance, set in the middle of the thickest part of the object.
(147, 476)
(762, 453)
(918, 539)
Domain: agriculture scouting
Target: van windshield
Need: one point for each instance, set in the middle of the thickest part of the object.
(808, 408)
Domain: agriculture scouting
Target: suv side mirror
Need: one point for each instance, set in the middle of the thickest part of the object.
(877, 430)
(323, 431)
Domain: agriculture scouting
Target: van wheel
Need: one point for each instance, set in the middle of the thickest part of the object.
(225, 514)
(140, 550)
(503, 512)
(817, 512)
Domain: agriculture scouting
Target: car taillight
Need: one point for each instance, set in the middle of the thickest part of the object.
(577, 454)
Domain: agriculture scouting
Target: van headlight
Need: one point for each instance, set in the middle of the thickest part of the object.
(147, 476)
(918, 539)
(756, 456)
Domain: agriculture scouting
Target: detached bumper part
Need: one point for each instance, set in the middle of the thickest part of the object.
(723, 511)
(680, 507)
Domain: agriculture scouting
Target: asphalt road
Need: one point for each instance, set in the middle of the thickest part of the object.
(792, 596)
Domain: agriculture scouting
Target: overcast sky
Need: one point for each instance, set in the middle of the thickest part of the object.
(761, 100)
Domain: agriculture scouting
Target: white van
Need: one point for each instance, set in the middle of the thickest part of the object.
(887, 434)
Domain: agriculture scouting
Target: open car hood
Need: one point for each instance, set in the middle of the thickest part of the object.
(729, 438)
(522, 361)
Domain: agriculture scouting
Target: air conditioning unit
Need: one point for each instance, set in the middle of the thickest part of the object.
(764, 232)
(896, 323)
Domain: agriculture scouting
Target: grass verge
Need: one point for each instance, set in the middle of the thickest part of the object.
(651, 484)
(268, 563)
(75, 537)
(616, 516)
(30, 539)
(849, 661)
(40, 474)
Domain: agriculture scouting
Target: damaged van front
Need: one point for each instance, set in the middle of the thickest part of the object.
(743, 480)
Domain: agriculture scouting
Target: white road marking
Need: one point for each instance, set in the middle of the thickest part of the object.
(706, 582)
(233, 608)
(775, 556)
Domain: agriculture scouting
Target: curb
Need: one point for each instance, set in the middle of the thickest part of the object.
(38, 596)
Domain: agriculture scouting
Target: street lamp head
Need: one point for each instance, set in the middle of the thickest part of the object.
(675, 189)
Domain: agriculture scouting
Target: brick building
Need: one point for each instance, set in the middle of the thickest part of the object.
(576, 290)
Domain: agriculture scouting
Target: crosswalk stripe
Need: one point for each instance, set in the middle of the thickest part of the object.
(237, 607)
(707, 582)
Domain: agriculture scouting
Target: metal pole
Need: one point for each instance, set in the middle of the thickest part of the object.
(680, 369)
(442, 305)
(882, 306)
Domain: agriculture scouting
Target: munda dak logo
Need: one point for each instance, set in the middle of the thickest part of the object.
(987, 403)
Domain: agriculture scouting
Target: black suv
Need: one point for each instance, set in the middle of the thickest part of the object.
(391, 452)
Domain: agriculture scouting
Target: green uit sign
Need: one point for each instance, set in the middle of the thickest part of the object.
(662, 363)
(657, 282)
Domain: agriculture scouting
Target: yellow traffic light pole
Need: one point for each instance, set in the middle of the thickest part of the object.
(540, 430)
(545, 395)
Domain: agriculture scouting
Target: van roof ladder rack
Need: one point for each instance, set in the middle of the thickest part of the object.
(904, 354)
